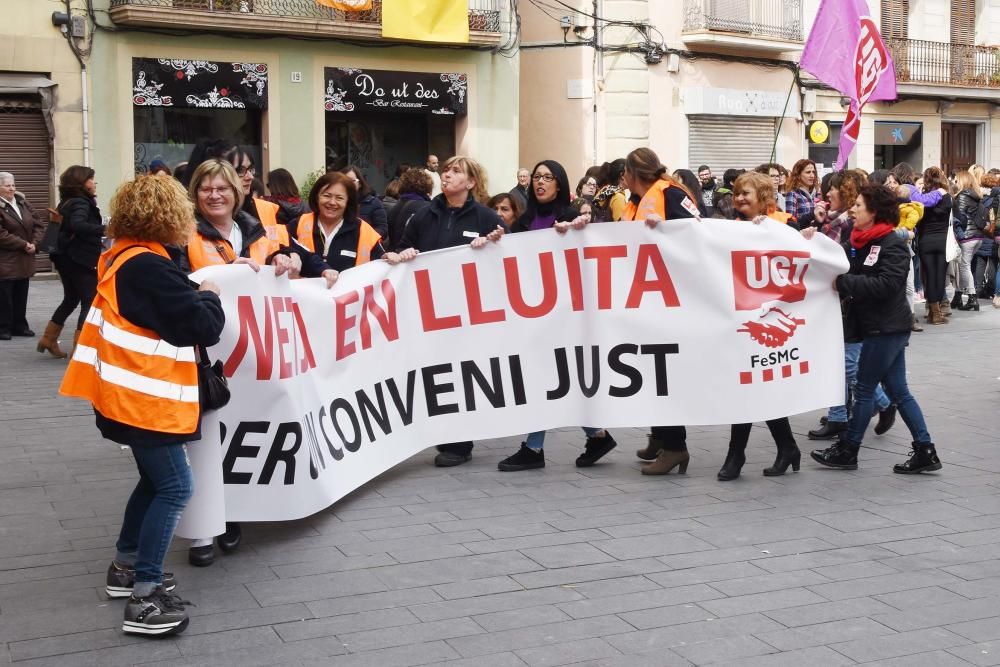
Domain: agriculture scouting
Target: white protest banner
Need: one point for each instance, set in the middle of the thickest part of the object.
(711, 322)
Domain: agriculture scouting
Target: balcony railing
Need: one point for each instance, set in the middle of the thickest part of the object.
(945, 64)
(761, 19)
(485, 16)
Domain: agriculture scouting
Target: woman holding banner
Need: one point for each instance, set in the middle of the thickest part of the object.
(453, 217)
(754, 200)
(549, 204)
(655, 198)
(876, 313)
(223, 225)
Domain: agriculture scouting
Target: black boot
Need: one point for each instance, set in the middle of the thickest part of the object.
(828, 431)
(787, 456)
(230, 539)
(971, 304)
(886, 418)
(956, 301)
(730, 470)
(923, 458)
(840, 455)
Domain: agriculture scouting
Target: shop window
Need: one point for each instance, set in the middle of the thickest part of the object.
(897, 142)
(169, 134)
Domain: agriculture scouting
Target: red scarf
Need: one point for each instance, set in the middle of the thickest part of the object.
(859, 239)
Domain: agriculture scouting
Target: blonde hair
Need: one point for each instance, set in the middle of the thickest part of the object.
(761, 184)
(977, 171)
(209, 169)
(473, 170)
(966, 180)
(152, 208)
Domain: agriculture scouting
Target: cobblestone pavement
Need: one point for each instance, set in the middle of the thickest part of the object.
(471, 566)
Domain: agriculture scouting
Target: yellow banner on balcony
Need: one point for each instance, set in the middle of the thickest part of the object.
(426, 20)
(347, 5)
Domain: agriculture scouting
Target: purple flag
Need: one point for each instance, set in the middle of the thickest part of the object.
(846, 51)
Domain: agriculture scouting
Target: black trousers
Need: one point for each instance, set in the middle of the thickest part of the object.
(13, 305)
(933, 268)
(780, 429)
(79, 288)
(674, 438)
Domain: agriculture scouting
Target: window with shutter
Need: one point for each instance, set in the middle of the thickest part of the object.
(963, 22)
(895, 19)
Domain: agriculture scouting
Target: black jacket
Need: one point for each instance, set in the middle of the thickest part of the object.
(400, 216)
(371, 210)
(873, 292)
(154, 293)
(964, 214)
(343, 247)
(81, 231)
(438, 226)
(289, 210)
(251, 229)
(934, 224)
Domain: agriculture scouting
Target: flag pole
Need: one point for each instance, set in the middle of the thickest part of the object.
(774, 146)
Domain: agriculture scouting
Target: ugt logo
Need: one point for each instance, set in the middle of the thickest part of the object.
(773, 329)
(763, 276)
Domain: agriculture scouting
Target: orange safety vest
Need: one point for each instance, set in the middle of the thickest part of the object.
(652, 203)
(367, 238)
(204, 251)
(127, 372)
(780, 216)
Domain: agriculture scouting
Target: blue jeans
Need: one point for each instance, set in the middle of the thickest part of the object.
(151, 515)
(883, 359)
(838, 413)
(536, 441)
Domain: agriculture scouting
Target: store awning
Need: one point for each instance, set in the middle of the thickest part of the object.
(895, 134)
(23, 84)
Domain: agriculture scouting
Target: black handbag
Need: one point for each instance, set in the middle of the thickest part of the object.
(213, 387)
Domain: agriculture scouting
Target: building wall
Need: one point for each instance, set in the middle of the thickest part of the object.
(29, 43)
(294, 129)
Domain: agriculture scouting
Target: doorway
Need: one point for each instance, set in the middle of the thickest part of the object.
(958, 146)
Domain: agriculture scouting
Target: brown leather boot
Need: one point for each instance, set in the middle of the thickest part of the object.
(667, 461)
(652, 449)
(945, 308)
(936, 316)
(50, 341)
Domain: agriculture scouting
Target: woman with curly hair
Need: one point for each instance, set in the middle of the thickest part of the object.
(135, 363)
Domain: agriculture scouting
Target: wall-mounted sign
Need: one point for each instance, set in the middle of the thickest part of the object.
(819, 132)
(161, 82)
(738, 102)
(896, 133)
(352, 89)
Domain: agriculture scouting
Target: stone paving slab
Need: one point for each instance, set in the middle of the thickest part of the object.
(563, 566)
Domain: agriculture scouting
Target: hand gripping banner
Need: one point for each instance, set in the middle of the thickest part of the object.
(712, 322)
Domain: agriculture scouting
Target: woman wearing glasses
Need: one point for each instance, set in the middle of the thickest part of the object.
(226, 233)
(549, 204)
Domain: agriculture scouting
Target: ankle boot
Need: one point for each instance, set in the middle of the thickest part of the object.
(916, 325)
(652, 449)
(666, 461)
(956, 301)
(50, 341)
(936, 316)
(735, 458)
(946, 308)
(971, 304)
(923, 458)
(789, 455)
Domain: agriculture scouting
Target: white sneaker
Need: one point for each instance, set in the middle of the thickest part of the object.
(996, 301)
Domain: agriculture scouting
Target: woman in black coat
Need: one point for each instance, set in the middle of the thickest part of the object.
(453, 218)
(77, 250)
(876, 313)
(370, 208)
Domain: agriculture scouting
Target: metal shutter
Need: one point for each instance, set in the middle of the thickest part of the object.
(724, 142)
(24, 152)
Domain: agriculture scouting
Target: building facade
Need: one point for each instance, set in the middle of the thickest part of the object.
(119, 84)
(713, 82)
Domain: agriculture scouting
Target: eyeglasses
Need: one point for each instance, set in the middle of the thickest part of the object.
(208, 192)
(543, 178)
(243, 171)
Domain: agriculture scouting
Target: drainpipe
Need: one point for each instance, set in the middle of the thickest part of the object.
(85, 108)
(597, 75)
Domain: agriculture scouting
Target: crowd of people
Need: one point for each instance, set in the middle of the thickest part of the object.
(909, 238)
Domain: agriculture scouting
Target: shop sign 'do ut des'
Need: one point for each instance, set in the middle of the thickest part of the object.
(353, 89)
